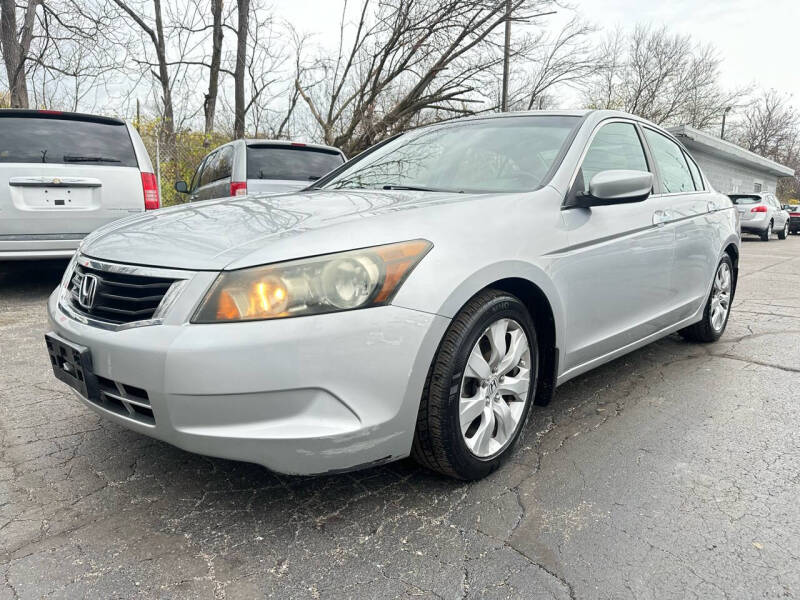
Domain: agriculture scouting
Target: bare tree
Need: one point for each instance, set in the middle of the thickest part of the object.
(546, 62)
(660, 76)
(210, 104)
(770, 126)
(242, 32)
(153, 28)
(16, 46)
(405, 58)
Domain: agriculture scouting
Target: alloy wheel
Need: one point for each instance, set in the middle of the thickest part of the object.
(494, 388)
(720, 296)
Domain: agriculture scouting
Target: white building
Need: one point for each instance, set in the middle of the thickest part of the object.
(730, 168)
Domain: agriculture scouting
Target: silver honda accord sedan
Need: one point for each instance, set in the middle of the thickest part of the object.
(420, 300)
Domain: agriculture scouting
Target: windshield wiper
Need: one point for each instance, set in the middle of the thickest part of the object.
(78, 158)
(419, 188)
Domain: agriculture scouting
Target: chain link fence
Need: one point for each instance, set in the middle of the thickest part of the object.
(179, 161)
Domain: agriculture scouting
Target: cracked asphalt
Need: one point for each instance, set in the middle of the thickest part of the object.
(673, 472)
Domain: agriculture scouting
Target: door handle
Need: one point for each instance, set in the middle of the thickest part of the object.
(660, 217)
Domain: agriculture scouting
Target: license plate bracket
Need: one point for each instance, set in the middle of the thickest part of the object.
(72, 364)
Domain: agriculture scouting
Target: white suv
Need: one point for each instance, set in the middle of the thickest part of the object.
(761, 214)
(63, 175)
(244, 167)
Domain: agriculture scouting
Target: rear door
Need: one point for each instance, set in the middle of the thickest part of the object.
(284, 167)
(689, 209)
(63, 175)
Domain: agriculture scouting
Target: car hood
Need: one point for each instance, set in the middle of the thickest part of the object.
(239, 232)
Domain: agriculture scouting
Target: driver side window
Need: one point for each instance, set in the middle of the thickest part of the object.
(615, 146)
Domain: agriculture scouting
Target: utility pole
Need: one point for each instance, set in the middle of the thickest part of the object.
(506, 59)
(724, 115)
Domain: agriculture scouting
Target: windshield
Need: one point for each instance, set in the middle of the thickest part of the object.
(49, 140)
(290, 162)
(745, 199)
(510, 154)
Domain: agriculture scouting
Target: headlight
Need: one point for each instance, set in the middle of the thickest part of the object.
(329, 283)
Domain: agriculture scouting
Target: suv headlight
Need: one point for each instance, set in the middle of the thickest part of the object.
(309, 286)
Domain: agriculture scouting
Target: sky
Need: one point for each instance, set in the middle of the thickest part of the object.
(757, 40)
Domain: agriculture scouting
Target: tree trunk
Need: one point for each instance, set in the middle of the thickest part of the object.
(15, 51)
(210, 106)
(241, 61)
(166, 89)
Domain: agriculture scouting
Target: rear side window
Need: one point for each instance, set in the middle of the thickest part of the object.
(615, 146)
(65, 141)
(290, 162)
(222, 165)
(675, 174)
(207, 174)
(698, 179)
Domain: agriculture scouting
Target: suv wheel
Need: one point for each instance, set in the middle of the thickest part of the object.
(479, 389)
(767, 233)
(718, 306)
(784, 232)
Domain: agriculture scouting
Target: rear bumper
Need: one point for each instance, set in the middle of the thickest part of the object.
(757, 227)
(41, 248)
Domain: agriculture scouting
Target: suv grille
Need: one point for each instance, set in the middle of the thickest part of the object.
(118, 297)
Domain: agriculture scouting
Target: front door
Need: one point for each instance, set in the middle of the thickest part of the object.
(615, 279)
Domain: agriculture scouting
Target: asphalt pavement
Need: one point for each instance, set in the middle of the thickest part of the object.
(673, 472)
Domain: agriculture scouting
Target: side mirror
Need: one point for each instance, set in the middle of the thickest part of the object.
(614, 187)
(181, 187)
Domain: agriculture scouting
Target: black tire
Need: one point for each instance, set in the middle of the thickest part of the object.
(783, 232)
(703, 331)
(438, 441)
(765, 235)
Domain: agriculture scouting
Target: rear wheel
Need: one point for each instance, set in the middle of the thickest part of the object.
(718, 306)
(479, 388)
(767, 233)
(784, 232)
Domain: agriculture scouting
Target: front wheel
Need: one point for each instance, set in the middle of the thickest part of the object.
(479, 388)
(784, 232)
(718, 306)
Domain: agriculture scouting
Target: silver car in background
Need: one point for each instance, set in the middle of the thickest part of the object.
(420, 299)
(762, 214)
(246, 167)
(63, 175)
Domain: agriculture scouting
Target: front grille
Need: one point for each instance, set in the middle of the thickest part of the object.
(125, 400)
(119, 297)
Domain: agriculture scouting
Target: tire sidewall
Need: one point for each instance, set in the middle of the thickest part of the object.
(707, 313)
(505, 306)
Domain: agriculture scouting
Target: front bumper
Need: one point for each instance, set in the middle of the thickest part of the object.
(305, 395)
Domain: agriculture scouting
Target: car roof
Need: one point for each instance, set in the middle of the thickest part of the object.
(58, 114)
(259, 142)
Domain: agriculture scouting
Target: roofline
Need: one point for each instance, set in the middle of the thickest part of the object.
(704, 141)
(254, 141)
(59, 114)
